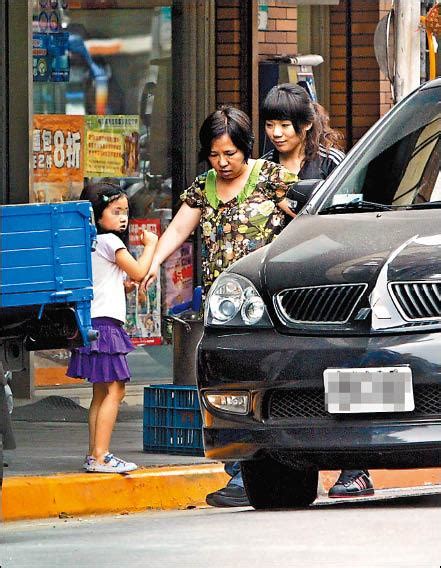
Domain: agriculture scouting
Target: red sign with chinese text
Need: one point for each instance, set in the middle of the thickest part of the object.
(57, 148)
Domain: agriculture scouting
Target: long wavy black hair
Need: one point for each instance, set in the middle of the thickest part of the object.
(289, 101)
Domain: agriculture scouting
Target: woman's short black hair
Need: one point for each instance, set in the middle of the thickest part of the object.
(101, 194)
(289, 101)
(226, 120)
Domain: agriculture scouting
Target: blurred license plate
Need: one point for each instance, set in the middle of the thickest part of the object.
(375, 389)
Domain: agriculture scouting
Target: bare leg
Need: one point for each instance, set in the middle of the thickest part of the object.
(106, 417)
(99, 394)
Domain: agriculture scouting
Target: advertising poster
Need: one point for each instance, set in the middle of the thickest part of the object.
(111, 147)
(41, 60)
(177, 277)
(143, 322)
(57, 157)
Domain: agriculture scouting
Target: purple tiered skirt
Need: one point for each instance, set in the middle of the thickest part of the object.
(105, 360)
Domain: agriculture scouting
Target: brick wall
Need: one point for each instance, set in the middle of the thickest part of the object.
(368, 95)
(280, 37)
(386, 101)
(228, 52)
(337, 108)
(365, 71)
(362, 98)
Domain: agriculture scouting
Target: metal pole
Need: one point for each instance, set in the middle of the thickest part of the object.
(18, 68)
(407, 47)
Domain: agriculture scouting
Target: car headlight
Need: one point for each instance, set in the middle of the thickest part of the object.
(234, 301)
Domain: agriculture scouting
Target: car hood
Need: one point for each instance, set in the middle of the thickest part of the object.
(353, 248)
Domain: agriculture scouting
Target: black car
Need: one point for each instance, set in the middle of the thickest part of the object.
(323, 349)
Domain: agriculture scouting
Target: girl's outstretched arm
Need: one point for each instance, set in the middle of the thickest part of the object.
(137, 268)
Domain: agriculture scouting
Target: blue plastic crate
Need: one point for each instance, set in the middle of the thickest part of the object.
(172, 421)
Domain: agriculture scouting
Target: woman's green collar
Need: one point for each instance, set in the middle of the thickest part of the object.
(253, 178)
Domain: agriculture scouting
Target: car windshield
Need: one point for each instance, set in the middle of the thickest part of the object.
(401, 165)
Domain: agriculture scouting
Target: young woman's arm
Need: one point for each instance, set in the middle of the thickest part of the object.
(137, 268)
(184, 223)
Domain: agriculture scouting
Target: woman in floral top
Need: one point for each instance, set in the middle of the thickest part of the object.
(305, 144)
(240, 203)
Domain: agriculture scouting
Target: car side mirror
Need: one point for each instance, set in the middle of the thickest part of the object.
(300, 193)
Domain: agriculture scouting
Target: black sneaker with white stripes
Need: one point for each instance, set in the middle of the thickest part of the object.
(352, 483)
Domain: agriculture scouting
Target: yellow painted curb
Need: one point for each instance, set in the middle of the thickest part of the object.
(92, 493)
(176, 487)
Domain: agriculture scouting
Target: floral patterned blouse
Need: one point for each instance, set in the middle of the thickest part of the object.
(247, 222)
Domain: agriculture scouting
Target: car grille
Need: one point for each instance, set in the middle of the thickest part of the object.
(320, 304)
(417, 300)
(310, 403)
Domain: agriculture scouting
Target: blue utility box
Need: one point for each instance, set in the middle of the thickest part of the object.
(46, 274)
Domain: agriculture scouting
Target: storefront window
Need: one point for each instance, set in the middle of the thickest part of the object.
(102, 91)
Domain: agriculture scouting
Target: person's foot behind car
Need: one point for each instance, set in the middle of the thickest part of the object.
(233, 494)
(352, 483)
(229, 496)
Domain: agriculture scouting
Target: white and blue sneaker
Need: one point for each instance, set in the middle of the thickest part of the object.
(111, 464)
(87, 461)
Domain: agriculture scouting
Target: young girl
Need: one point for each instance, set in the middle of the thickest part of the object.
(104, 363)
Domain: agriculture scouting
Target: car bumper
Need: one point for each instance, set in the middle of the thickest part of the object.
(262, 361)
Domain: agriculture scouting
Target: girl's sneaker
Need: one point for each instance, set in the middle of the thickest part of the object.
(111, 464)
(87, 462)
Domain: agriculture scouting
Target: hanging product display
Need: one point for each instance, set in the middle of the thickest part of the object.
(143, 321)
(50, 44)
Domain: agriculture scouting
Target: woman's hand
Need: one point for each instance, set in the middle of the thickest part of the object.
(150, 277)
(183, 224)
(284, 206)
(129, 285)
